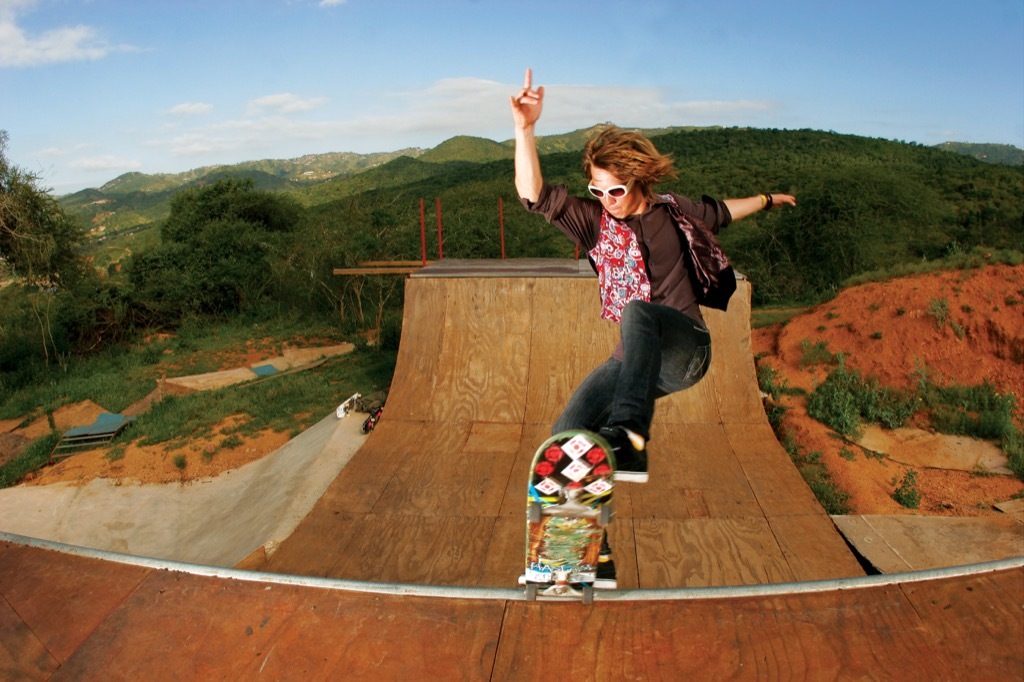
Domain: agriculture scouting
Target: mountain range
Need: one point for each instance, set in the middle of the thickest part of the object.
(134, 201)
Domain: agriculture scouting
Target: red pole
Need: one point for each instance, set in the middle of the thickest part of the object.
(423, 234)
(501, 225)
(440, 239)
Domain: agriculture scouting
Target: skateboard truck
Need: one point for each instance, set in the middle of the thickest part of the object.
(561, 589)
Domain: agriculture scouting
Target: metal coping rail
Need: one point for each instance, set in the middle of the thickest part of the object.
(519, 594)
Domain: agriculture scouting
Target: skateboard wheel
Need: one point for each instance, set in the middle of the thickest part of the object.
(531, 591)
(588, 594)
(534, 512)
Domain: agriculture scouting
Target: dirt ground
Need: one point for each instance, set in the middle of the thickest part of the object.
(962, 327)
(891, 330)
(159, 463)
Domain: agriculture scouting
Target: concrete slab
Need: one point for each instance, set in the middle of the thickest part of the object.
(290, 359)
(216, 521)
(918, 448)
(1012, 508)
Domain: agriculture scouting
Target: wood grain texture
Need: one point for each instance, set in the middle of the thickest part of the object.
(490, 354)
(168, 625)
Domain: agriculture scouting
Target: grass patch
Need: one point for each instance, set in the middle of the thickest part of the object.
(817, 353)
(768, 380)
(115, 379)
(814, 473)
(232, 441)
(818, 478)
(120, 376)
(766, 317)
(36, 455)
(845, 400)
(976, 412)
(975, 258)
(289, 403)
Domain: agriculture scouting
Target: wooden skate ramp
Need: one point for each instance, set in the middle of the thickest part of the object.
(436, 497)
(490, 353)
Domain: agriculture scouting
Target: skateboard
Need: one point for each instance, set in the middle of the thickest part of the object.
(347, 406)
(568, 506)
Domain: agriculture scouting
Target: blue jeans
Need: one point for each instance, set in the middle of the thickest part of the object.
(664, 351)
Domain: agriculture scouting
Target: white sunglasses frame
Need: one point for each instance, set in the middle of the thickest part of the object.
(608, 192)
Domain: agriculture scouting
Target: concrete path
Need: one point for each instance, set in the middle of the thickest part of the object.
(215, 521)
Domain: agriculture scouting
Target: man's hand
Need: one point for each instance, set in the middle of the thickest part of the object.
(528, 103)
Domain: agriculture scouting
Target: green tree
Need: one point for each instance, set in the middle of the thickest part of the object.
(39, 248)
(216, 252)
(852, 220)
(38, 241)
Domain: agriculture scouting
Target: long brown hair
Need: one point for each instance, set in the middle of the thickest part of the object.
(627, 155)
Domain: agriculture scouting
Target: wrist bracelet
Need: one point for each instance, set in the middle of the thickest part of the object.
(768, 202)
(764, 201)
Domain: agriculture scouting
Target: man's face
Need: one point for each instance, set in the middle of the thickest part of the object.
(609, 185)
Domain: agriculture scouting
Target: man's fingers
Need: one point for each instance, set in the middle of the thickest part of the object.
(528, 96)
(528, 79)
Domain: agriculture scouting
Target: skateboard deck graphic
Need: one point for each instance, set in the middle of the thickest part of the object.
(568, 506)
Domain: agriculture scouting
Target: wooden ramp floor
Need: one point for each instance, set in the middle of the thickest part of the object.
(490, 353)
(70, 617)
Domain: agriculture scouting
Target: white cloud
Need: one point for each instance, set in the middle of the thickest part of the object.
(473, 106)
(332, 3)
(190, 109)
(104, 163)
(64, 44)
(427, 116)
(63, 151)
(284, 103)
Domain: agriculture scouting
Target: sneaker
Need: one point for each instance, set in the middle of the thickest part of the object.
(630, 460)
(605, 574)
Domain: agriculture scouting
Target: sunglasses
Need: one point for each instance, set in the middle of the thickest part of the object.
(615, 191)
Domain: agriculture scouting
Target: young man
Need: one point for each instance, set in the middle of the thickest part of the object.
(657, 261)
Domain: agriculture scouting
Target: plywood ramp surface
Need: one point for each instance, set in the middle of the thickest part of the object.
(490, 353)
(904, 542)
(66, 617)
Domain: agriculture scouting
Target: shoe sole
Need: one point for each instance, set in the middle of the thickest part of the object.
(631, 476)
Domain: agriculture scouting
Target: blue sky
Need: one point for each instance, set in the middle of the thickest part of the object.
(91, 89)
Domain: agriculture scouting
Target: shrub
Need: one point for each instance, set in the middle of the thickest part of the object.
(767, 381)
(817, 354)
(939, 309)
(844, 399)
(975, 411)
(906, 492)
